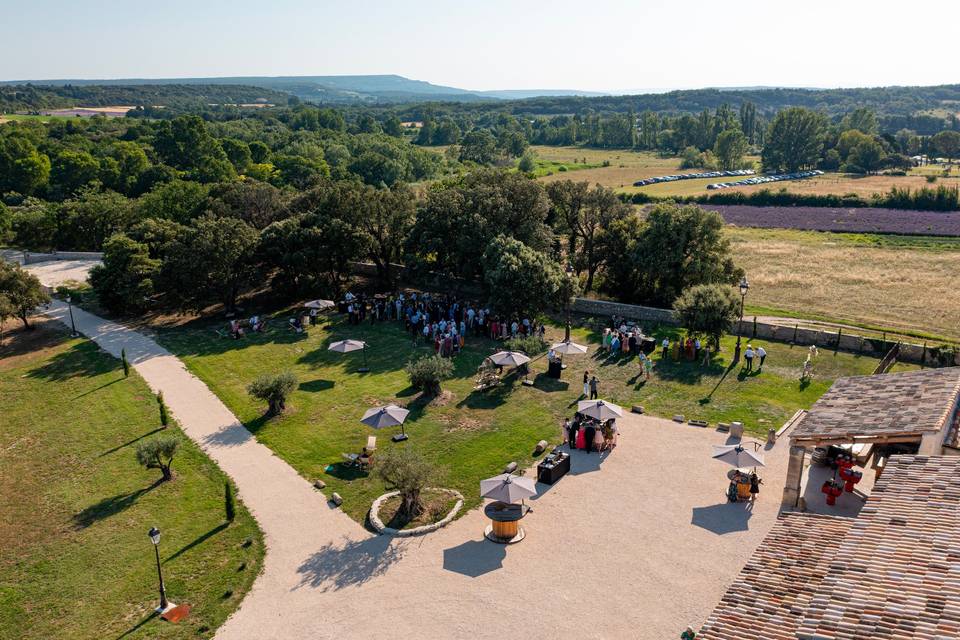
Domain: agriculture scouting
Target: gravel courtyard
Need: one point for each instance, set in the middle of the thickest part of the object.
(637, 544)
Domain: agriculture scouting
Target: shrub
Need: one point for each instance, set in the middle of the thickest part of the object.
(164, 415)
(228, 502)
(408, 472)
(931, 178)
(531, 345)
(561, 168)
(158, 454)
(125, 363)
(527, 163)
(273, 389)
(428, 372)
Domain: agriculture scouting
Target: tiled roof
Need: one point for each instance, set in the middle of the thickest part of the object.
(910, 403)
(896, 575)
(773, 590)
(892, 573)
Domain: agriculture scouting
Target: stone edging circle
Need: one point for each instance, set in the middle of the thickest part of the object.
(384, 530)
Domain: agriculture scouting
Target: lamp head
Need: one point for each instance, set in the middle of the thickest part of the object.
(154, 534)
(744, 286)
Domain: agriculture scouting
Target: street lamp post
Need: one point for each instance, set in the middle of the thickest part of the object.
(566, 335)
(73, 326)
(744, 287)
(154, 534)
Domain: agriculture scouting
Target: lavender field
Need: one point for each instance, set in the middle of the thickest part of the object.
(867, 220)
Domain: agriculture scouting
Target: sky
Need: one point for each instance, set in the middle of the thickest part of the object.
(616, 46)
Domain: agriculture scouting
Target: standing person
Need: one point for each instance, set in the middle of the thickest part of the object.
(593, 388)
(755, 482)
(645, 365)
(666, 348)
(586, 384)
(748, 357)
(572, 432)
(706, 356)
(762, 354)
(589, 435)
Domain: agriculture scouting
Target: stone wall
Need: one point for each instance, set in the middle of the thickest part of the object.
(32, 258)
(824, 339)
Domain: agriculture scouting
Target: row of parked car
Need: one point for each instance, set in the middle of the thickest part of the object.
(694, 176)
(796, 175)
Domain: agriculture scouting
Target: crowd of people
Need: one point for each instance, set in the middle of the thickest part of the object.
(590, 434)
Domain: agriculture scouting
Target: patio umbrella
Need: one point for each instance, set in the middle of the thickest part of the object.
(320, 304)
(346, 346)
(568, 347)
(599, 409)
(507, 488)
(388, 416)
(509, 359)
(736, 456)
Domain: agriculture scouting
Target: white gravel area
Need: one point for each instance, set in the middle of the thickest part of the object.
(635, 544)
(55, 272)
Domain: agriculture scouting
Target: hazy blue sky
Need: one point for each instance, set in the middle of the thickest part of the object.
(601, 45)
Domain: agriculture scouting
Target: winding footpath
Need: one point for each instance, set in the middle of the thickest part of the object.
(615, 550)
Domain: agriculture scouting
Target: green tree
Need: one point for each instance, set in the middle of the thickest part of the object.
(730, 148)
(674, 249)
(22, 291)
(72, 170)
(238, 153)
(427, 373)
(409, 473)
(274, 389)
(125, 279)
(35, 225)
(385, 218)
(527, 163)
(862, 119)
(520, 280)
(23, 169)
(7, 311)
(158, 453)
(257, 203)
(393, 127)
(85, 221)
(794, 140)
(180, 201)
(947, 143)
(259, 151)
(866, 157)
(185, 143)
(210, 262)
(478, 146)
(708, 310)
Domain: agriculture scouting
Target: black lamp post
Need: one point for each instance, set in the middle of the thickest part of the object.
(73, 326)
(566, 335)
(154, 534)
(744, 287)
(365, 368)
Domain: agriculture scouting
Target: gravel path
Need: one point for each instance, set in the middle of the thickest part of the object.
(635, 544)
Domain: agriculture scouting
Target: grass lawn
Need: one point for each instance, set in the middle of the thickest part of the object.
(76, 561)
(896, 283)
(472, 434)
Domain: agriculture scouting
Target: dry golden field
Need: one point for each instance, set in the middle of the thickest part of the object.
(904, 284)
(840, 184)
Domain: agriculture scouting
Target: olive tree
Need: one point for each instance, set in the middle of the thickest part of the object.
(407, 472)
(158, 454)
(274, 390)
(428, 372)
(708, 310)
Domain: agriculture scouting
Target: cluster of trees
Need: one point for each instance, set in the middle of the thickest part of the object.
(800, 138)
(528, 247)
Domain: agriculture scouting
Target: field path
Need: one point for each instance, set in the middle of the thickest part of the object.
(635, 544)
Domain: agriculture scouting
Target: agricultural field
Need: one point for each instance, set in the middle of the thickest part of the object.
(900, 283)
(77, 561)
(625, 167)
(852, 220)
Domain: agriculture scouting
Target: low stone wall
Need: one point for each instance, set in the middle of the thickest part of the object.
(30, 257)
(382, 529)
(824, 339)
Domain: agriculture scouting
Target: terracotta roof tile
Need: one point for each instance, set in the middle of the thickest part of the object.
(909, 403)
(768, 599)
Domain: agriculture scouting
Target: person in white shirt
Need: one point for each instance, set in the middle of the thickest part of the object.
(748, 357)
(762, 354)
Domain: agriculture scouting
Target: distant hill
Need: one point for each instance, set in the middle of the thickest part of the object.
(334, 89)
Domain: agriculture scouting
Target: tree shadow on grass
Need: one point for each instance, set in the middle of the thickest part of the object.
(314, 386)
(688, 372)
(199, 540)
(349, 564)
(82, 359)
(150, 616)
(94, 390)
(110, 506)
(129, 442)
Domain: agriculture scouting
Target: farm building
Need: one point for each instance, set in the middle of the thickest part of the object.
(888, 574)
(868, 419)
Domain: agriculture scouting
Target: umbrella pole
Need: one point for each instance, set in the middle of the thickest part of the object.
(364, 368)
(400, 437)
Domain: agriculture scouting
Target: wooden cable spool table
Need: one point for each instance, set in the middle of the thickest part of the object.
(504, 526)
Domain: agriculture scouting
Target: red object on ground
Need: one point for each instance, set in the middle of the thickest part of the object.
(177, 613)
(832, 491)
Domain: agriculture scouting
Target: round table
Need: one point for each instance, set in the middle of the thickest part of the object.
(504, 526)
